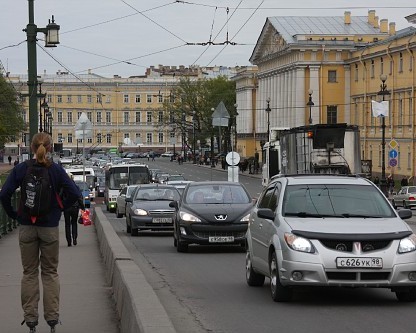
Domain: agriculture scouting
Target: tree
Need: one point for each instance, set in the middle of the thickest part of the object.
(198, 96)
(11, 120)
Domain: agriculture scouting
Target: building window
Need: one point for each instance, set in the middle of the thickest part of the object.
(331, 114)
(356, 72)
(69, 137)
(160, 116)
(149, 137)
(99, 99)
(372, 69)
(149, 98)
(400, 111)
(126, 117)
(138, 138)
(108, 99)
(108, 138)
(160, 137)
(332, 76)
(126, 98)
(410, 111)
(99, 138)
(99, 117)
(50, 98)
(138, 98)
(381, 66)
(137, 117)
(69, 99)
(89, 99)
(149, 117)
(89, 140)
(89, 115)
(59, 117)
(400, 63)
(69, 117)
(391, 67)
(160, 98)
(60, 138)
(108, 117)
(79, 98)
(127, 135)
(59, 99)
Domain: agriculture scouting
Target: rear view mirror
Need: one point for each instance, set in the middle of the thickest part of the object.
(265, 213)
(405, 214)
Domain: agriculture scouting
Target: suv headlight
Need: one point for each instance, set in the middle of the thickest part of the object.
(140, 212)
(298, 243)
(245, 218)
(407, 244)
(188, 217)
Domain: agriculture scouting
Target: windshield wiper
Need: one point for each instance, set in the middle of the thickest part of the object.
(304, 214)
(361, 215)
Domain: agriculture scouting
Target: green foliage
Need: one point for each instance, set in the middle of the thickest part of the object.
(11, 121)
(199, 96)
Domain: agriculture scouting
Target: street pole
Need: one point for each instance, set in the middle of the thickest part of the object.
(268, 110)
(310, 104)
(193, 135)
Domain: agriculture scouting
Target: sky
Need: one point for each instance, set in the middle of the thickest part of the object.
(124, 37)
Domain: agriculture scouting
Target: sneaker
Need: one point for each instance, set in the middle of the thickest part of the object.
(31, 324)
(52, 323)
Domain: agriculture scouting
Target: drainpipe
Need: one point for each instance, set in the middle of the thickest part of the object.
(412, 168)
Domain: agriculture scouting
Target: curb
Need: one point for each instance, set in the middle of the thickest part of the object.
(137, 304)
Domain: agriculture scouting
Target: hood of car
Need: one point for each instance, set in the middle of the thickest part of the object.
(152, 205)
(347, 225)
(219, 212)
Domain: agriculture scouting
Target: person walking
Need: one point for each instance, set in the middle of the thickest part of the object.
(404, 182)
(71, 219)
(10, 160)
(39, 235)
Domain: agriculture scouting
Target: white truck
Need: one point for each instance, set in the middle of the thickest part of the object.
(320, 148)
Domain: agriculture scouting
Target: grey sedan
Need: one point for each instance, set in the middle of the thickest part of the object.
(406, 197)
(148, 208)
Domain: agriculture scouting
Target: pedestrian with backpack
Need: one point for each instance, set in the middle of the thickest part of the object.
(71, 219)
(38, 214)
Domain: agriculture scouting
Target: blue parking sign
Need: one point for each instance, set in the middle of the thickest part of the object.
(393, 153)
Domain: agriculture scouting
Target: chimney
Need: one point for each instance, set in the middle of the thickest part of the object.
(376, 25)
(347, 17)
(371, 16)
(383, 25)
(392, 28)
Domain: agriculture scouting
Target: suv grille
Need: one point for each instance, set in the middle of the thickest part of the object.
(346, 246)
(359, 276)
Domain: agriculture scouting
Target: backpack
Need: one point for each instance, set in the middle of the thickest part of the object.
(36, 191)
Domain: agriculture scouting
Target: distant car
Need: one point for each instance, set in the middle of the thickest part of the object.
(406, 197)
(211, 213)
(179, 184)
(329, 231)
(100, 186)
(148, 208)
(161, 177)
(153, 173)
(86, 192)
(167, 154)
(126, 192)
(175, 178)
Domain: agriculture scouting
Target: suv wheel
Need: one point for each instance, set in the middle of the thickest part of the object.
(406, 296)
(253, 279)
(278, 291)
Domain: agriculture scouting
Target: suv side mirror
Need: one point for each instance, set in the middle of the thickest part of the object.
(266, 213)
(405, 214)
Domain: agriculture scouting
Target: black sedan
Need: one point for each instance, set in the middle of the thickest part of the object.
(211, 213)
(148, 208)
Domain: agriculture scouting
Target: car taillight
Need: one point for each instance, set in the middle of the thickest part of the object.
(411, 198)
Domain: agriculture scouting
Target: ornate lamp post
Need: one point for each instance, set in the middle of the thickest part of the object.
(383, 92)
(235, 127)
(268, 110)
(310, 104)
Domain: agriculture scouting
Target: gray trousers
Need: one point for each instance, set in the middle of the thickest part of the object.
(39, 245)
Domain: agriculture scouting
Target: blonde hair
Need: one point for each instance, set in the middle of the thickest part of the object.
(41, 145)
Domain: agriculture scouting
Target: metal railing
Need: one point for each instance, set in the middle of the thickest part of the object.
(6, 223)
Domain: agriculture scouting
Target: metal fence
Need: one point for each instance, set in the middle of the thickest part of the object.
(6, 223)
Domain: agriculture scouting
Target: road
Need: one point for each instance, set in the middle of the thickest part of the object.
(205, 290)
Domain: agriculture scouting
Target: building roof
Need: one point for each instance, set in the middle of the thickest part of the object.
(291, 26)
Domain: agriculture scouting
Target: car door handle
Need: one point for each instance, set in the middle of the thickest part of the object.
(260, 225)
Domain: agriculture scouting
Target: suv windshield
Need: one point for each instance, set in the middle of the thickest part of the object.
(335, 200)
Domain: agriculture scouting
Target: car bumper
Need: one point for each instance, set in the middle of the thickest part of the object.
(206, 234)
(152, 223)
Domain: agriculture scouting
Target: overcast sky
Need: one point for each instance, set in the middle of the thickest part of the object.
(124, 37)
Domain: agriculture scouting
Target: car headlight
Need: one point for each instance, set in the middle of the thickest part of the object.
(407, 244)
(188, 217)
(139, 211)
(87, 197)
(245, 218)
(298, 243)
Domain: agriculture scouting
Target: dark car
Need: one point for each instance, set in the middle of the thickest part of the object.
(148, 208)
(213, 212)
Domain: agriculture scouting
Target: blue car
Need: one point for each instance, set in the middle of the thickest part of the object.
(86, 192)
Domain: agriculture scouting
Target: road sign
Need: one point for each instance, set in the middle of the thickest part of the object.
(393, 153)
(232, 158)
(393, 144)
(393, 162)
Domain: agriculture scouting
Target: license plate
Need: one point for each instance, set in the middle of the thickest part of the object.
(162, 220)
(359, 262)
(221, 239)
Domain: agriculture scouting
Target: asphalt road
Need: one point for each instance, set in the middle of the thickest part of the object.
(205, 290)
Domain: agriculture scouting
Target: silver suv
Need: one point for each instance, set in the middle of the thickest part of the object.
(329, 230)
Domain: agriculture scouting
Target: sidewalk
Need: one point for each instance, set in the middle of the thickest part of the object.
(86, 300)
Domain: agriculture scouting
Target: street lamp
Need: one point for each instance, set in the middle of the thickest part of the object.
(51, 40)
(183, 136)
(235, 127)
(310, 104)
(383, 92)
(193, 134)
(268, 118)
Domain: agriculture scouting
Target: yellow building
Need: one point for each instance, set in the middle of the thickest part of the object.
(326, 70)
